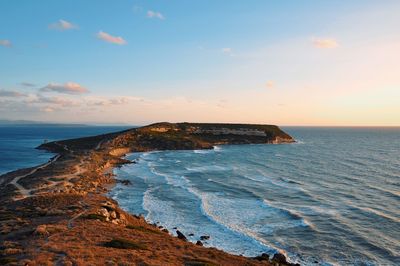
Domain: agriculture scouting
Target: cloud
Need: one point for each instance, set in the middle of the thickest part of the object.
(67, 88)
(109, 38)
(27, 84)
(5, 43)
(154, 14)
(270, 84)
(327, 43)
(47, 109)
(64, 102)
(227, 50)
(113, 101)
(62, 25)
(7, 93)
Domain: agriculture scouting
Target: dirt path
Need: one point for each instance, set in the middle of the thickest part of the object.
(26, 192)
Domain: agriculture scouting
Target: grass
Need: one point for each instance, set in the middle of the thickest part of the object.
(199, 262)
(142, 229)
(122, 243)
(7, 260)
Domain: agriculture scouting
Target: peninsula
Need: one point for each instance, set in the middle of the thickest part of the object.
(58, 213)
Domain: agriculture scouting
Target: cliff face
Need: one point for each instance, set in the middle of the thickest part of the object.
(170, 136)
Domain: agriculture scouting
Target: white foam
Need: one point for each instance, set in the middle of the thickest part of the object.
(202, 151)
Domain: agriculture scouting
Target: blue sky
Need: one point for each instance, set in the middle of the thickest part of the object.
(228, 61)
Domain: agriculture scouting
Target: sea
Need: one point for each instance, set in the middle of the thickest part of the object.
(18, 142)
(331, 198)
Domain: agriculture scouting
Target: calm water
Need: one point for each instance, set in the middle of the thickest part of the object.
(17, 143)
(334, 197)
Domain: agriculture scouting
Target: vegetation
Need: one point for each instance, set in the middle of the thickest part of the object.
(122, 243)
(94, 216)
(142, 229)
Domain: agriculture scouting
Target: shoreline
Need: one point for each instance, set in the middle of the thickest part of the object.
(65, 215)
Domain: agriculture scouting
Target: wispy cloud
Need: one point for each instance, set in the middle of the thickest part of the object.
(47, 109)
(60, 101)
(109, 101)
(109, 38)
(62, 25)
(325, 43)
(67, 88)
(8, 93)
(270, 84)
(154, 14)
(5, 43)
(227, 50)
(27, 84)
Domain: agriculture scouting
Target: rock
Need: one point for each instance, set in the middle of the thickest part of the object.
(125, 182)
(104, 212)
(41, 230)
(199, 243)
(262, 257)
(175, 228)
(122, 216)
(180, 235)
(67, 263)
(280, 259)
(165, 230)
(204, 237)
(109, 206)
(191, 234)
(113, 214)
(11, 251)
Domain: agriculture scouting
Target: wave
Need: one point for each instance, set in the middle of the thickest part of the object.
(207, 168)
(295, 215)
(203, 151)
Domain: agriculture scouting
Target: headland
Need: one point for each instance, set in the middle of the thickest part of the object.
(58, 213)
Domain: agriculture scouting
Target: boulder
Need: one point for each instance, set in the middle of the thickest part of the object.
(41, 230)
(104, 212)
(180, 235)
(280, 259)
(113, 215)
(262, 257)
(199, 243)
(205, 237)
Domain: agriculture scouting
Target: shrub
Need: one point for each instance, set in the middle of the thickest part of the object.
(124, 244)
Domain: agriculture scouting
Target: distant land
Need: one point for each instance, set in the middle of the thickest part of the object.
(5, 122)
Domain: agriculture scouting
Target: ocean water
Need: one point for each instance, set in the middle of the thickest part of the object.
(333, 197)
(18, 142)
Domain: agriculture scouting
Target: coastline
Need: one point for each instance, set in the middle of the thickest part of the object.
(63, 215)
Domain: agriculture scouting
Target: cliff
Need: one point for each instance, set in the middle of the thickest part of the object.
(177, 136)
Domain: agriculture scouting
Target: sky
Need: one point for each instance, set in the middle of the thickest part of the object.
(299, 62)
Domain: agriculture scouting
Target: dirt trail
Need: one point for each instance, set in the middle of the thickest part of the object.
(26, 192)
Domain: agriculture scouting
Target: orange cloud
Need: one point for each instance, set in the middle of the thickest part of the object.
(62, 25)
(67, 88)
(111, 39)
(327, 43)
